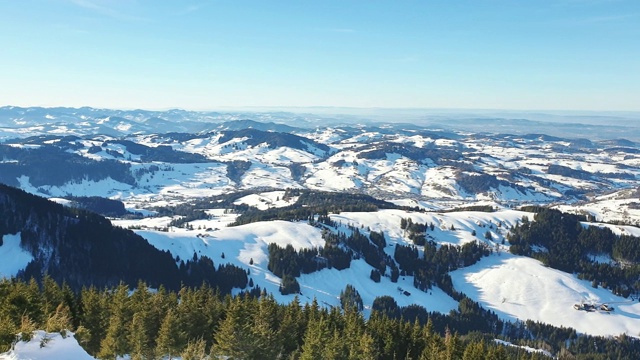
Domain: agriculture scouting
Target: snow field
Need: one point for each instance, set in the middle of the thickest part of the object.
(521, 288)
(12, 257)
(55, 348)
(248, 242)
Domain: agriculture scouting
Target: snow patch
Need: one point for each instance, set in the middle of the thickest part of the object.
(47, 346)
(13, 257)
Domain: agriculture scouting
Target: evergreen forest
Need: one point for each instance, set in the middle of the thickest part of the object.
(201, 323)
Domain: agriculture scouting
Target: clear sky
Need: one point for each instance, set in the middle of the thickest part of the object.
(208, 54)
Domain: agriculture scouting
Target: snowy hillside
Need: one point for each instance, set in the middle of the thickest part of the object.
(515, 287)
(246, 246)
(422, 215)
(520, 288)
(47, 346)
(397, 163)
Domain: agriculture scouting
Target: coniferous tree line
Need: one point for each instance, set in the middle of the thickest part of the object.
(42, 165)
(82, 248)
(337, 253)
(99, 205)
(569, 246)
(201, 323)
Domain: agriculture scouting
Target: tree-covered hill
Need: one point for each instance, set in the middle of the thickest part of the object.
(82, 248)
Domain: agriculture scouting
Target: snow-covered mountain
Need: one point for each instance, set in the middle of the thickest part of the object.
(404, 163)
(190, 175)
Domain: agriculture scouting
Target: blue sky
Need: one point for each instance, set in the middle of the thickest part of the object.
(207, 54)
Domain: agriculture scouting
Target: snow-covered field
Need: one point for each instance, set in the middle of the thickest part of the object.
(47, 346)
(521, 288)
(13, 257)
(515, 287)
(247, 244)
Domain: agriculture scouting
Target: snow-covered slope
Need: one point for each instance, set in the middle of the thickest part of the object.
(515, 287)
(47, 346)
(12, 257)
(521, 288)
(246, 246)
(395, 161)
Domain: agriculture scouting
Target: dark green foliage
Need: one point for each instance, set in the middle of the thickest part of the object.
(569, 246)
(83, 249)
(288, 261)
(100, 205)
(237, 168)
(386, 306)
(350, 298)
(297, 171)
(561, 170)
(43, 166)
(481, 208)
(289, 285)
(378, 239)
(380, 151)
(437, 261)
(375, 275)
(272, 138)
(161, 153)
(481, 183)
(150, 325)
(312, 203)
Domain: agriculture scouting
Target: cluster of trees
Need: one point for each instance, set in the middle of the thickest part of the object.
(100, 205)
(569, 246)
(237, 168)
(83, 248)
(200, 323)
(435, 263)
(380, 151)
(310, 205)
(273, 139)
(481, 208)
(288, 261)
(161, 153)
(416, 230)
(42, 165)
(338, 252)
(555, 169)
(477, 183)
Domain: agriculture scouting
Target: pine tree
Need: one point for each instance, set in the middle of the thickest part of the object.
(315, 339)
(8, 331)
(267, 343)
(140, 336)
(368, 348)
(94, 318)
(170, 341)
(189, 312)
(417, 342)
(291, 327)
(116, 341)
(60, 320)
(51, 296)
(453, 347)
(195, 350)
(474, 351)
(233, 338)
(335, 348)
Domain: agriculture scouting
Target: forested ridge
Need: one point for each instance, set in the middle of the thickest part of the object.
(82, 248)
(196, 323)
(192, 315)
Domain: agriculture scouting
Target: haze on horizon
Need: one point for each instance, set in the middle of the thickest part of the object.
(471, 54)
